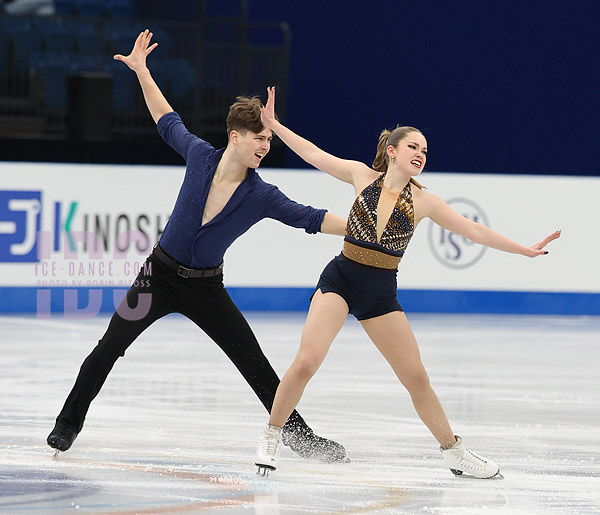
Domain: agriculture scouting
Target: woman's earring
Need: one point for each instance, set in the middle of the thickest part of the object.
(393, 159)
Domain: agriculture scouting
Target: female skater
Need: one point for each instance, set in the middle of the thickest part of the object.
(389, 204)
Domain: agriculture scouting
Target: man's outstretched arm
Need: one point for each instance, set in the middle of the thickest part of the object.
(136, 61)
(333, 225)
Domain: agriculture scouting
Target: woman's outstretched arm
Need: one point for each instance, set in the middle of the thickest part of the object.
(442, 214)
(342, 169)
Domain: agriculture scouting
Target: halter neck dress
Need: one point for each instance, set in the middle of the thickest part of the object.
(364, 274)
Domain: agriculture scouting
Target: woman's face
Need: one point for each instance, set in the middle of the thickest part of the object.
(411, 153)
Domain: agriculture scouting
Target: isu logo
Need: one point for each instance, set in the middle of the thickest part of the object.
(451, 249)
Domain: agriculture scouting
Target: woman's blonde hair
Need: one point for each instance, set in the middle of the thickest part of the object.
(382, 160)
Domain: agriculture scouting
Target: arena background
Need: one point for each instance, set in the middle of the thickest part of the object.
(506, 93)
(501, 86)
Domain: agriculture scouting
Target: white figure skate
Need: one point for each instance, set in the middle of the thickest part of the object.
(269, 447)
(461, 460)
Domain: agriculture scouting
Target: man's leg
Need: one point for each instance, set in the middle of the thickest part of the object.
(216, 314)
(121, 332)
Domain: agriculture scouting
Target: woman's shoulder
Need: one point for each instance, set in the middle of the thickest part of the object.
(424, 202)
(367, 176)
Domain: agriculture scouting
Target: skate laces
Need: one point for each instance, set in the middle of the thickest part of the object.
(269, 443)
(468, 459)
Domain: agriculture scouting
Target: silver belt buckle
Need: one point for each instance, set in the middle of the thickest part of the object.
(184, 272)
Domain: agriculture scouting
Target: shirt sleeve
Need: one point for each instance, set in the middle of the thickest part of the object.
(282, 208)
(174, 132)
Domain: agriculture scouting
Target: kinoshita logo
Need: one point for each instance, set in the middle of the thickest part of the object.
(32, 231)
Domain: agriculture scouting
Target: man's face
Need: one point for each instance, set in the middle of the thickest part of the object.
(253, 147)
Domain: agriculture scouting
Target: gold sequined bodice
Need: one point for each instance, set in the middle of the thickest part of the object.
(361, 243)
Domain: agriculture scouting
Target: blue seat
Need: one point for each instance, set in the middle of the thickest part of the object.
(5, 38)
(84, 35)
(180, 74)
(164, 40)
(25, 43)
(89, 8)
(12, 24)
(54, 34)
(120, 8)
(221, 75)
(160, 73)
(64, 7)
(52, 71)
(119, 35)
(124, 84)
(83, 63)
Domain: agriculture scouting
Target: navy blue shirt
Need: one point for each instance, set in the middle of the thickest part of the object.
(195, 245)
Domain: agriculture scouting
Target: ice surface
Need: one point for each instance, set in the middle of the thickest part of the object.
(175, 427)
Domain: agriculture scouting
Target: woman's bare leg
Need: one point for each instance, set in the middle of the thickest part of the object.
(326, 316)
(392, 335)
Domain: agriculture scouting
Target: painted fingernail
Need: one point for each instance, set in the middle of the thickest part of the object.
(545, 252)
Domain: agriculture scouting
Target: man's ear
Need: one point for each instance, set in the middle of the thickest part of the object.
(234, 137)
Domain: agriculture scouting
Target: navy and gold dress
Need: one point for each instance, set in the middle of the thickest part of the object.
(364, 274)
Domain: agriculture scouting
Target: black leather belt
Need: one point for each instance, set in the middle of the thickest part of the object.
(182, 271)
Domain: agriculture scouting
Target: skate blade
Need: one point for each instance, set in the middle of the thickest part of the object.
(263, 470)
(459, 473)
(55, 455)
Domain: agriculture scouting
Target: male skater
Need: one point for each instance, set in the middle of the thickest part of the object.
(221, 198)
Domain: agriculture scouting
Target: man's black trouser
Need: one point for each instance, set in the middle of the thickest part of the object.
(204, 301)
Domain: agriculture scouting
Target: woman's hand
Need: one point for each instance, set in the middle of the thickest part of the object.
(136, 60)
(538, 248)
(267, 113)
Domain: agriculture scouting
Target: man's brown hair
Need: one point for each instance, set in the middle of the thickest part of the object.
(244, 115)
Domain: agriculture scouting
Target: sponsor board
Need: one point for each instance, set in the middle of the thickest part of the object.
(92, 226)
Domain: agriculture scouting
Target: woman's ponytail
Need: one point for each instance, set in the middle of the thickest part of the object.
(380, 163)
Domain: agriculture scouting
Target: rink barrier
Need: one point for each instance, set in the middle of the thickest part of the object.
(24, 300)
(58, 230)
